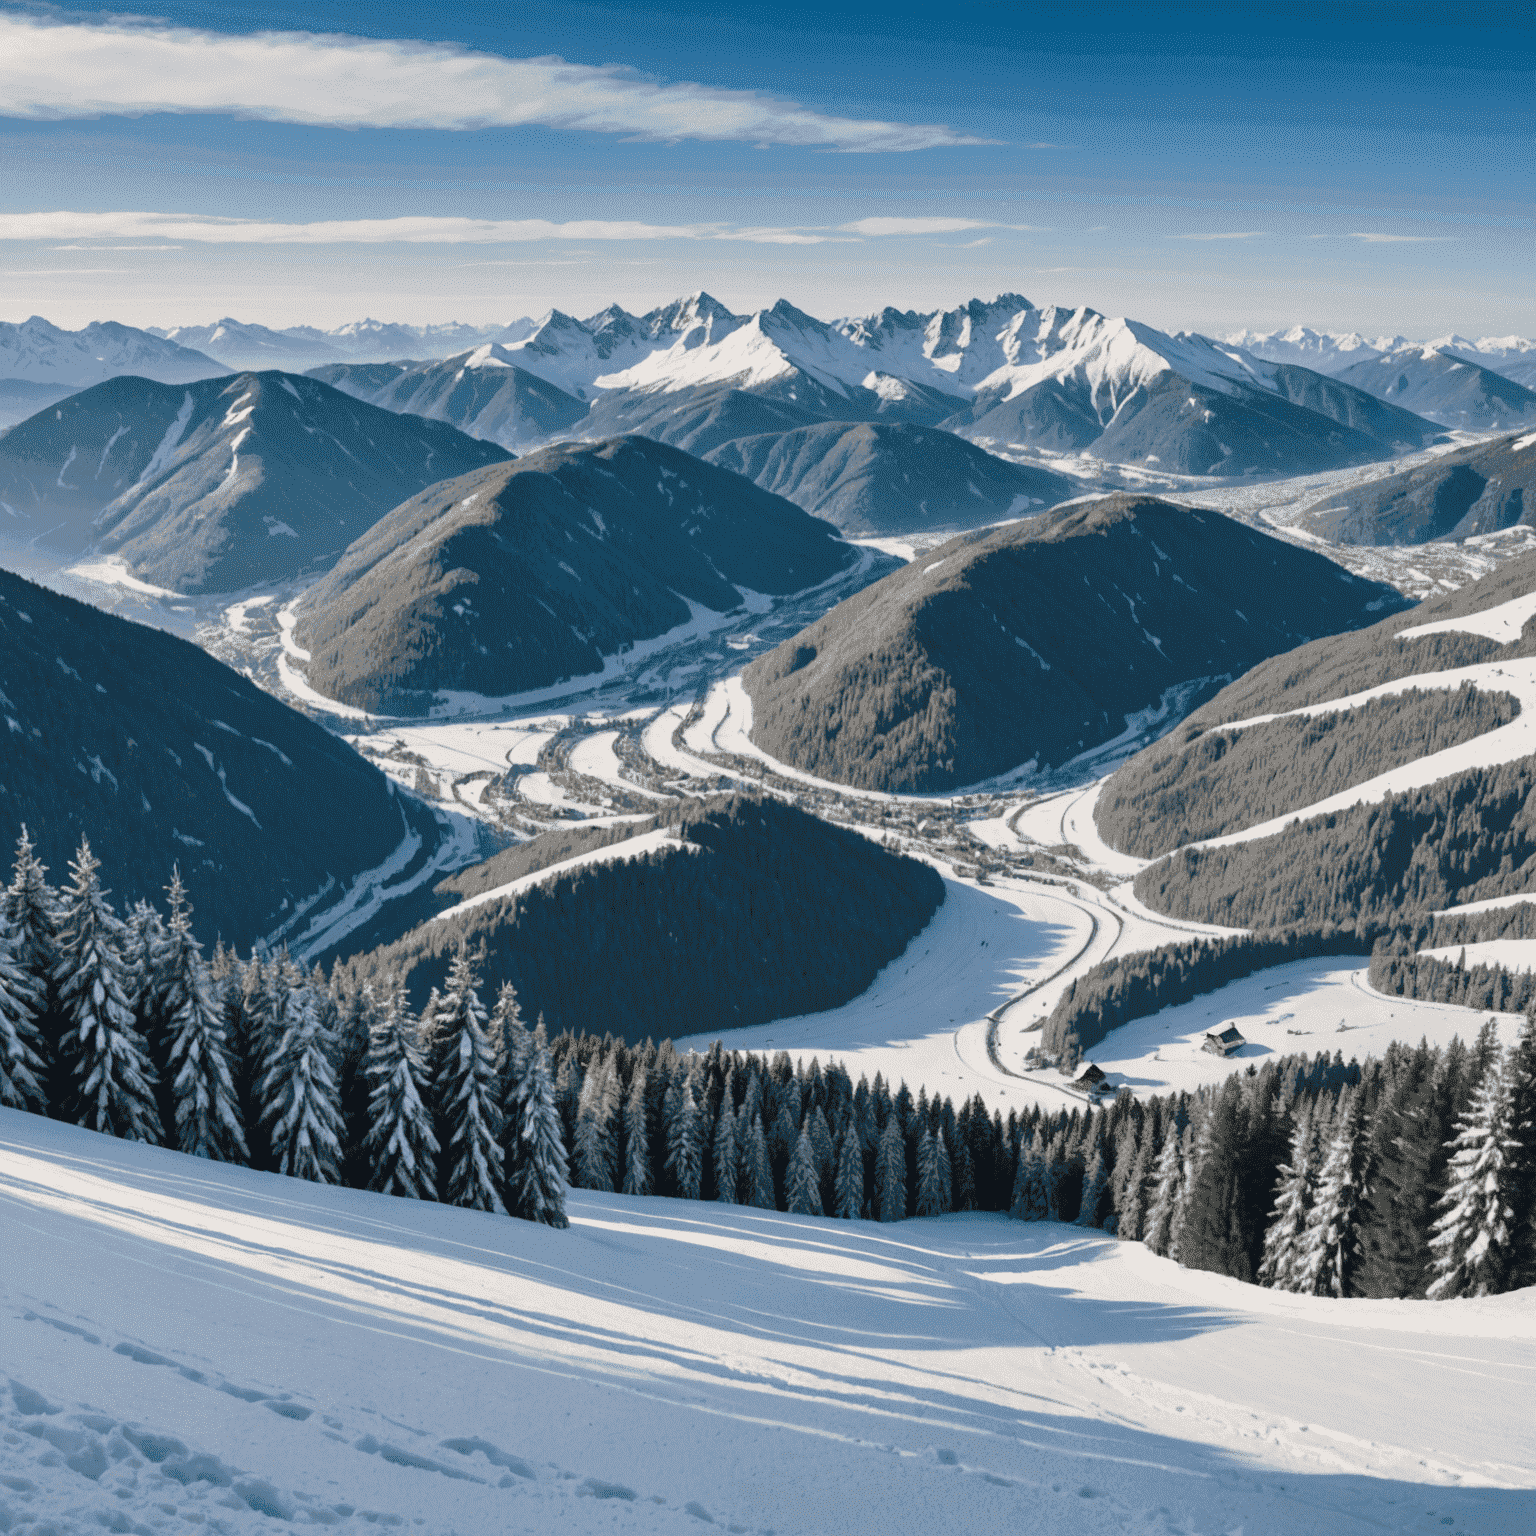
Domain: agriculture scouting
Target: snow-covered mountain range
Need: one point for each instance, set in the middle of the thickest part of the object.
(1004, 373)
(1332, 352)
(243, 344)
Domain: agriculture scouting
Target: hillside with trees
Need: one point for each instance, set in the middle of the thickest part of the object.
(161, 755)
(1036, 641)
(755, 911)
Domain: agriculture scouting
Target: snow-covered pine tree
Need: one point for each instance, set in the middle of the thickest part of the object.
(685, 1156)
(1095, 1182)
(802, 1187)
(849, 1204)
(112, 1079)
(964, 1170)
(934, 1191)
(1294, 1194)
(1474, 1242)
(756, 1172)
(727, 1156)
(144, 939)
(303, 1115)
(1167, 1191)
(892, 1166)
(537, 1192)
(31, 907)
(597, 1151)
(22, 1072)
(204, 1112)
(1031, 1192)
(402, 1148)
(466, 1073)
(637, 1138)
(1331, 1249)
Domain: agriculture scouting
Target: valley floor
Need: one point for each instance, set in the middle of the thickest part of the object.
(192, 1344)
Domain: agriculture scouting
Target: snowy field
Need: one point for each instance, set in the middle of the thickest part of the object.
(1301, 1008)
(193, 1345)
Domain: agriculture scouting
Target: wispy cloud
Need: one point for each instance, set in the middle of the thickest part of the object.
(70, 69)
(1240, 234)
(178, 229)
(1375, 237)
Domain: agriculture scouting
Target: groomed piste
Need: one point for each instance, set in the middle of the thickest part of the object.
(192, 1344)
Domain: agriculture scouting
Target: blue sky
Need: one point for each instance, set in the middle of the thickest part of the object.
(1348, 166)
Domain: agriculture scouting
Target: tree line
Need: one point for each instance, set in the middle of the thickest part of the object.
(1373, 867)
(1407, 1176)
(1205, 781)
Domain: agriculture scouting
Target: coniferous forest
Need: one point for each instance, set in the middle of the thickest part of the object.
(1407, 1176)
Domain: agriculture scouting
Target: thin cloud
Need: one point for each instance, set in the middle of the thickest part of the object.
(199, 229)
(1373, 237)
(1242, 234)
(122, 67)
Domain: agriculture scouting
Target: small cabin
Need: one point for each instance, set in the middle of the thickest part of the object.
(1224, 1042)
(1093, 1080)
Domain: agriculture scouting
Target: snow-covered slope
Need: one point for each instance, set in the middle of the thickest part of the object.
(42, 353)
(243, 1352)
(222, 483)
(1451, 387)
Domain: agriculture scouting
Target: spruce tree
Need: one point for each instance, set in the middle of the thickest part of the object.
(303, 1115)
(802, 1187)
(1095, 1186)
(965, 1196)
(1475, 1242)
(112, 1079)
(1031, 1200)
(1331, 1249)
(30, 907)
(849, 1205)
(597, 1152)
(638, 1178)
(1167, 1186)
(685, 1155)
(466, 1073)
(893, 1171)
(757, 1174)
(1280, 1267)
(402, 1148)
(1216, 1234)
(22, 1073)
(537, 1192)
(727, 1158)
(934, 1177)
(204, 1110)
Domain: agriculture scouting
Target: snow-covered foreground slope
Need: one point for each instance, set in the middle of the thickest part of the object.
(187, 1343)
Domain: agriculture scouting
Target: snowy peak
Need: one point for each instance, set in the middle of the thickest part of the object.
(43, 353)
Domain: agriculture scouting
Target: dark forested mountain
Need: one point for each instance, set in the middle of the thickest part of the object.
(1475, 490)
(757, 911)
(1462, 837)
(482, 392)
(1038, 641)
(1446, 387)
(217, 485)
(530, 573)
(891, 477)
(161, 755)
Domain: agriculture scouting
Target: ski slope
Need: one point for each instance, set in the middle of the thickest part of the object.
(190, 1345)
